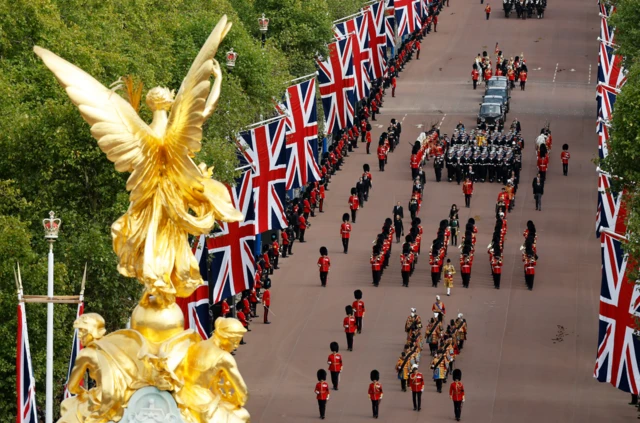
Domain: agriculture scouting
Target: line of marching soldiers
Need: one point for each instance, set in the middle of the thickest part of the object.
(444, 346)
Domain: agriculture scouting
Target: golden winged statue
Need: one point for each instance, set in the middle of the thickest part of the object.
(170, 196)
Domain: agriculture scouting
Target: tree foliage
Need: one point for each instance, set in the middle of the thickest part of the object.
(50, 161)
(623, 160)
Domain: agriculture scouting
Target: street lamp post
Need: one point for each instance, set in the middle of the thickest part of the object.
(51, 228)
(263, 23)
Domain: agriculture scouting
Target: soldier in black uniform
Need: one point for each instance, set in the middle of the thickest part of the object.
(483, 163)
(438, 164)
(366, 181)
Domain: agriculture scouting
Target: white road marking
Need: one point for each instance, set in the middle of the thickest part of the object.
(443, 117)
(589, 83)
(404, 117)
(380, 126)
(555, 73)
(419, 125)
(572, 70)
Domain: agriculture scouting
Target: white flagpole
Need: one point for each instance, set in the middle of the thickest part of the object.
(49, 387)
(304, 77)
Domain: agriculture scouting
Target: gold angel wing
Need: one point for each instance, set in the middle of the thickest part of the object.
(188, 111)
(120, 132)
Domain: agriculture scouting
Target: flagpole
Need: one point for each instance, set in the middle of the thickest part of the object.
(347, 17)
(254, 125)
(304, 77)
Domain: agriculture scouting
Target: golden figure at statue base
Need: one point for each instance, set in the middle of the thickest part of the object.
(170, 198)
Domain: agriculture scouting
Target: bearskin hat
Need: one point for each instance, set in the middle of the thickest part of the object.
(334, 347)
(406, 249)
(376, 250)
(330, 148)
(469, 227)
(354, 191)
(322, 374)
(565, 146)
(416, 148)
(484, 54)
(475, 66)
(267, 283)
(357, 294)
(530, 225)
(417, 221)
(366, 167)
(345, 217)
(265, 248)
(408, 238)
(375, 375)
(457, 374)
(369, 127)
(388, 221)
(324, 251)
(444, 223)
(471, 220)
(348, 309)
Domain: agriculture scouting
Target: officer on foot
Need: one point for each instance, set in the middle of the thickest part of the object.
(349, 324)
(416, 383)
(358, 308)
(335, 364)
(456, 393)
(345, 232)
(375, 392)
(324, 264)
(322, 392)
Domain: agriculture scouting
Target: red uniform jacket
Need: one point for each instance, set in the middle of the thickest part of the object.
(266, 298)
(511, 74)
(345, 230)
(322, 192)
(375, 263)
(475, 75)
(349, 324)
(322, 391)
(368, 137)
(306, 206)
(416, 382)
(523, 76)
(565, 156)
(496, 266)
(414, 161)
(456, 391)
(354, 203)
(543, 162)
(335, 362)
(225, 309)
(465, 267)
(405, 262)
(382, 154)
(240, 315)
(467, 187)
(375, 391)
(358, 308)
(253, 296)
(435, 263)
(530, 267)
(275, 248)
(314, 196)
(498, 72)
(488, 74)
(324, 263)
(487, 9)
(246, 307)
(393, 81)
(302, 222)
(436, 309)
(285, 238)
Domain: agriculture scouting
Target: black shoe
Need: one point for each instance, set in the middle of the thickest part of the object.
(415, 409)
(267, 323)
(420, 408)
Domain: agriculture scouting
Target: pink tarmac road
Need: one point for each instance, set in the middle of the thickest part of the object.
(530, 355)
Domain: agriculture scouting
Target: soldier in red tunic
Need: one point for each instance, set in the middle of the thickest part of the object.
(475, 75)
(376, 265)
(358, 308)
(302, 227)
(456, 393)
(565, 156)
(523, 79)
(349, 324)
(354, 204)
(496, 267)
(285, 243)
(322, 392)
(382, 156)
(324, 264)
(266, 301)
(335, 364)
(345, 232)
(375, 392)
(224, 308)
(416, 383)
(275, 251)
(467, 190)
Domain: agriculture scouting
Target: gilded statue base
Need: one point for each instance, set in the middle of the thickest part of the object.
(151, 405)
(201, 377)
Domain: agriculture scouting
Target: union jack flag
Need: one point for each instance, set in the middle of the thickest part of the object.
(233, 266)
(195, 307)
(25, 383)
(617, 361)
(377, 38)
(610, 69)
(337, 81)
(606, 9)
(264, 149)
(424, 5)
(390, 24)
(606, 99)
(360, 53)
(607, 33)
(75, 350)
(611, 212)
(603, 138)
(301, 119)
(407, 16)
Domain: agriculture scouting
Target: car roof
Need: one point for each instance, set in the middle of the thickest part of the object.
(498, 78)
(493, 96)
(489, 104)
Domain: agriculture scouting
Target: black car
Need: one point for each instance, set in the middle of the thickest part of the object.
(491, 116)
(495, 99)
(502, 92)
(499, 82)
